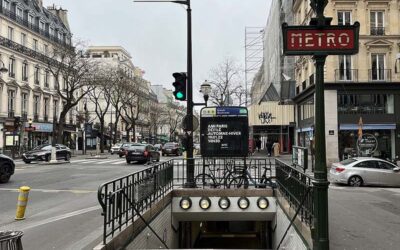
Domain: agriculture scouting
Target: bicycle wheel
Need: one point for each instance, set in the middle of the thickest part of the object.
(238, 182)
(204, 180)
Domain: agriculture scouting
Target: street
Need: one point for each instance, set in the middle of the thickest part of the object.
(62, 211)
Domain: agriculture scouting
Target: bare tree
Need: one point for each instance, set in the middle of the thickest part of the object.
(118, 93)
(73, 77)
(100, 96)
(226, 82)
(174, 118)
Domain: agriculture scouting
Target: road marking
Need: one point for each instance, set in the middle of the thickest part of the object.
(84, 162)
(61, 217)
(118, 162)
(53, 190)
(102, 162)
(78, 161)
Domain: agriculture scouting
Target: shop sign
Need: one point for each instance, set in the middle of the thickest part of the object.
(40, 127)
(266, 117)
(367, 144)
(325, 40)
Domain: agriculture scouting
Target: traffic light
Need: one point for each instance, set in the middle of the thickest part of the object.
(17, 122)
(180, 86)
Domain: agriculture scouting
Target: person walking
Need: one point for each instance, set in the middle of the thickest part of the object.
(258, 144)
(268, 145)
(277, 148)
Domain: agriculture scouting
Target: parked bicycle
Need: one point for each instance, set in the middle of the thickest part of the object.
(213, 176)
(245, 178)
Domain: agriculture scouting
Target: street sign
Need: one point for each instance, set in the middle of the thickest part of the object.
(320, 40)
(224, 132)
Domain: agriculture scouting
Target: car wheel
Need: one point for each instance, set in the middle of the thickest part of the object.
(128, 162)
(67, 157)
(158, 159)
(355, 181)
(112, 153)
(5, 175)
(47, 158)
(163, 154)
(120, 156)
(27, 162)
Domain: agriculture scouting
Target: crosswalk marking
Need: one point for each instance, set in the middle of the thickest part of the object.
(118, 162)
(102, 162)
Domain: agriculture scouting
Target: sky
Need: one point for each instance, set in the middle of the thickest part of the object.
(155, 33)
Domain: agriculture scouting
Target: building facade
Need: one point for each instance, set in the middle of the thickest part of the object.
(28, 34)
(362, 91)
(271, 116)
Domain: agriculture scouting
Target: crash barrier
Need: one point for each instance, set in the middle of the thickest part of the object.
(125, 199)
(11, 240)
(297, 188)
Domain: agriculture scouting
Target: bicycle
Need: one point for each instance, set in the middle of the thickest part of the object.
(245, 177)
(216, 177)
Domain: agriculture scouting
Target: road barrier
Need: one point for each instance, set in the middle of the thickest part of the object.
(22, 202)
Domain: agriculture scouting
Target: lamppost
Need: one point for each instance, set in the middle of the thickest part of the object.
(3, 69)
(205, 89)
(30, 134)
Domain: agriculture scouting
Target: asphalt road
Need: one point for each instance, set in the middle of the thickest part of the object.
(63, 211)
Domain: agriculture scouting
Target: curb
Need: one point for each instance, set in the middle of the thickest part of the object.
(54, 163)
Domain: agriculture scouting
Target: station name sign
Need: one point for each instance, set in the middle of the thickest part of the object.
(325, 40)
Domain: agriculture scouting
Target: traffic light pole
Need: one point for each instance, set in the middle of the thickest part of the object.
(189, 126)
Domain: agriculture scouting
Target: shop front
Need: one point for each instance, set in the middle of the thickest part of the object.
(272, 122)
(37, 133)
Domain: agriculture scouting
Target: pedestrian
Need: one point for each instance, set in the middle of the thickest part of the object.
(277, 148)
(258, 144)
(268, 145)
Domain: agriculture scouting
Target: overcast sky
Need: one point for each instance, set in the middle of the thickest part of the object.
(155, 33)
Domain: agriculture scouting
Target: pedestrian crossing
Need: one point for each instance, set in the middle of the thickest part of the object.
(98, 162)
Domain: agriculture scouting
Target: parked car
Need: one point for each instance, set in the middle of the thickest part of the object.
(43, 153)
(122, 149)
(7, 167)
(171, 148)
(142, 153)
(361, 171)
(115, 148)
(158, 146)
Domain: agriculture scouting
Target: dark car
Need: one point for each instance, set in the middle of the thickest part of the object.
(171, 148)
(142, 153)
(43, 153)
(124, 146)
(7, 168)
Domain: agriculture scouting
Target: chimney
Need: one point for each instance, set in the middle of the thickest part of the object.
(61, 13)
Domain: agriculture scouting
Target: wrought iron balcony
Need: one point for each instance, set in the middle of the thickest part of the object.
(24, 116)
(380, 75)
(26, 51)
(346, 75)
(377, 31)
(7, 13)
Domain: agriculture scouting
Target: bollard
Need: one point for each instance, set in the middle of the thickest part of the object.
(22, 202)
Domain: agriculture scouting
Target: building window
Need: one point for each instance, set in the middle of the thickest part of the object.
(46, 49)
(344, 17)
(35, 44)
(25, 71)
(41, 26)
(345, 68)
(377, 23)
(24, 104)
(46, 79)
(11, 33)
(36, 105)
(37, 75)
(6, 5)
(11, 101)
(30, 20)
(23, 39)
(365, 104)
(378, 67)
(11, 67)
(46, 109)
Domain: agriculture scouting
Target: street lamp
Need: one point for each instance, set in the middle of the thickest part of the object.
(3, 69)
(30, 134)
(205, 88)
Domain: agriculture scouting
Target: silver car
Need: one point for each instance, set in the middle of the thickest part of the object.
(115, 148)
(365, 171)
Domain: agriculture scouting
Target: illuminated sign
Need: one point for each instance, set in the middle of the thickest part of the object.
(325, 40)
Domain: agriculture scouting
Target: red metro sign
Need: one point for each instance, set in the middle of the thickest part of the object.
(313, 40)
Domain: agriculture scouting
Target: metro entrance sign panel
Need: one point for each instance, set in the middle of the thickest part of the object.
(325, 40)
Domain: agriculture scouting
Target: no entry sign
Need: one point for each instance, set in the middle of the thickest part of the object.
(326, 40)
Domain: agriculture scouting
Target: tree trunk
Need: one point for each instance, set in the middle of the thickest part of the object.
(60, 127)
(101, 135)
(133, 132)
(115, 127)
(128, 137)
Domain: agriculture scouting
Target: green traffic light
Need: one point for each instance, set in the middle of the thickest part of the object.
(179, 95)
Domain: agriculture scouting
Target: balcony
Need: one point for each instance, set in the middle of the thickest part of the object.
(36, 117)
(37, 82)
(11, 74)
(25, 79)
(377, 31)
(11, 114)
(5, 12)
(346, 75)
(380, 75)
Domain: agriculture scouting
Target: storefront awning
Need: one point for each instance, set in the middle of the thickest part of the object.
(367, 126)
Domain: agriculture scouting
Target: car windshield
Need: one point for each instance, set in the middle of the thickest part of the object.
(170, 145)
(347, 162)
(43, 147)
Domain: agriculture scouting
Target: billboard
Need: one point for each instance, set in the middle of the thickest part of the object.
(224, 132)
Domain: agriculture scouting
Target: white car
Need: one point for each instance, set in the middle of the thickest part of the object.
(361, 171)
(115, 148)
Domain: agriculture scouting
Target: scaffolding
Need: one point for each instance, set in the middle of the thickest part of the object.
(254, 53)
